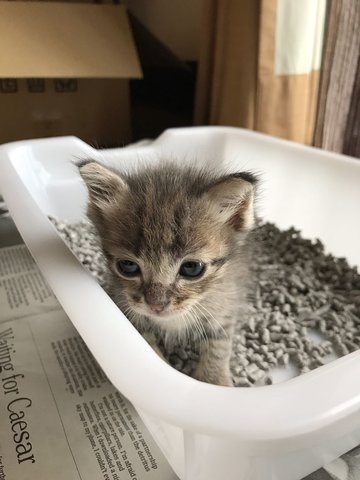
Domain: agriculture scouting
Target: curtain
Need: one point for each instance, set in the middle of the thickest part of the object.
(338, 117)
(260, 65)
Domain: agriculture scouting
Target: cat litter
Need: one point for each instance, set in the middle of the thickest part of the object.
(304, 305)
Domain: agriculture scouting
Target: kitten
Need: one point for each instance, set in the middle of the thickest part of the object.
(174, 241)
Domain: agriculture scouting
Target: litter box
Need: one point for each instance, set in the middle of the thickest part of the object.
(279, 432)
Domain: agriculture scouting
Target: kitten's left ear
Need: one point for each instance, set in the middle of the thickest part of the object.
(103, 185)
(232, 198)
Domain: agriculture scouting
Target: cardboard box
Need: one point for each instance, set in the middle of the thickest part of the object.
(64, 70)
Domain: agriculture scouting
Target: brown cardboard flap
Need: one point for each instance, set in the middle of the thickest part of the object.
(96, 110)
(46, 40)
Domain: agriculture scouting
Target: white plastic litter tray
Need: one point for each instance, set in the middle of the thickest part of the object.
(207, 432)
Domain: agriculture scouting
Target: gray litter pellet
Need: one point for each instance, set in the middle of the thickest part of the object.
(295, 287)
(243, 382)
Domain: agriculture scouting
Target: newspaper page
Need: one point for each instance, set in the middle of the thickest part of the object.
(23, 289)
(61, 419)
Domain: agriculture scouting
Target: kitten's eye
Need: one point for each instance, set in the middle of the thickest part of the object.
(192, 269)
(128, 268)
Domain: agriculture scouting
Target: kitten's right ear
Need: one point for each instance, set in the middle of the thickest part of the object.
(232, 200)
(104, 186)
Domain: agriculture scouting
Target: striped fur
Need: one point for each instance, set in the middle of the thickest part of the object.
(160, 217)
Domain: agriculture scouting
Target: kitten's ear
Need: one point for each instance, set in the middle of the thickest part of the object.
(103, 185)
(232, 198)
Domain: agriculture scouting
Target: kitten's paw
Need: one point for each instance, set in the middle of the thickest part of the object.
(226, 381)
(222, 378)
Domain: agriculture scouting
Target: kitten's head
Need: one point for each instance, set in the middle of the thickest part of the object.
(169, 233)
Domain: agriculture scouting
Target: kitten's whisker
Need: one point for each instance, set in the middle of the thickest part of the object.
(198, 315)
(210, 317)
(187, 324)
(192, 324)
(131, 314)
(180, 331)
(213, 331)
(127, 311)
(190, 314)
(199, 327)
(207, 312)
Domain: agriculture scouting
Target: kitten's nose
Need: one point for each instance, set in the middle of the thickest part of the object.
(157, 298)
(158, 307)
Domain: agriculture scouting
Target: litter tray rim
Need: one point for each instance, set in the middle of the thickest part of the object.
(253, 416)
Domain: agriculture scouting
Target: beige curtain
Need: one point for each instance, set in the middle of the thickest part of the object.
(259, 65)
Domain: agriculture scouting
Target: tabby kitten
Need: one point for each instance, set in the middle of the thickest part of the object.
(174, 240)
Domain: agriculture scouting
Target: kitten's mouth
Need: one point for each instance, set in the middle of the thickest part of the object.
(166, 313)
(163, 315)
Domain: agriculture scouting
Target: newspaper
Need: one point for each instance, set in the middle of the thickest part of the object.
(23, 289)
(60, 417)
